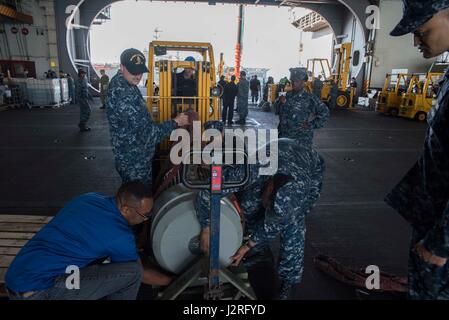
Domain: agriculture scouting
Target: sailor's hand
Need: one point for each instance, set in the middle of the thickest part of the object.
(165, 280)
(182, 120)
(240, 254)
(154, 277)
(282, 99)
(204, 240)
(428, 257)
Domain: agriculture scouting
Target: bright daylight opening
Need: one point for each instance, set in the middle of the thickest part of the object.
(271, 43)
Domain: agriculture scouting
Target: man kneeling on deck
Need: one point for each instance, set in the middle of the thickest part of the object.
(64, 260)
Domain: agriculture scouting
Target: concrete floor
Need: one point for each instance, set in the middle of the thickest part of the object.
(366, 155)
(45, 162)
(43, 159)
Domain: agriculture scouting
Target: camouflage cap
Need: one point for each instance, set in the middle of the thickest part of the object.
(417, 13)
(218, 125)
(134, 61)
(298, 74)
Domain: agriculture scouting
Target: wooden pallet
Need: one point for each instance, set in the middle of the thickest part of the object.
(15, 231)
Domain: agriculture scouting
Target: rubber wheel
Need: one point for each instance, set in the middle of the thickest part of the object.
(421, 117)
(342, 101)
(394, 112)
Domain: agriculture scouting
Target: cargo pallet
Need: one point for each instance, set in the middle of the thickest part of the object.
(15, 231)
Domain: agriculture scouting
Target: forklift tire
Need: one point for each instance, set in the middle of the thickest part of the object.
(342, 100)
(394, 112)
(421, 116)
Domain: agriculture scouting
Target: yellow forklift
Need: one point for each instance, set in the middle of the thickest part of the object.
(420, 98)
(167, 105)
(320, 64)
(164, 104)
(389, 99)
(272, 93)
(339, 76)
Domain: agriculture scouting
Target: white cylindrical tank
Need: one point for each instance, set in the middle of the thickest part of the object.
(175, 230)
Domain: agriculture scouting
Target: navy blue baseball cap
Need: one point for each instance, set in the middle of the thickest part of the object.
(134, 61)
(417, 13)
(298, 74)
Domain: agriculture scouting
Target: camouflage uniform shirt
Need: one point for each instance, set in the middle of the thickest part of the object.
(134, 135)
(301, 108)
(422, 198)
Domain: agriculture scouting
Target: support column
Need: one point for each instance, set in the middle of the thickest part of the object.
(50, 20)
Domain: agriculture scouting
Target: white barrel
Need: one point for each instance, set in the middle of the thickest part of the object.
(175, 230)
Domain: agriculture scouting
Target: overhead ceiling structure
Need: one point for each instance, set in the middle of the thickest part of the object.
(10, 13)
(75, 18)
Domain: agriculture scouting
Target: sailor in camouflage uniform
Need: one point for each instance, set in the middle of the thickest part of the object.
(134, 135)
(286, 199)
(422, 197)
(333, 94)
(318, 87)
(82, 98)
(277, 206)
(242, 98)
(104, 83)
(231, 173)
(302, 112)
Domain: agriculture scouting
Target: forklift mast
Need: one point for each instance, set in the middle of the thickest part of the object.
(164, 106)
(342, 66)
(319, 64)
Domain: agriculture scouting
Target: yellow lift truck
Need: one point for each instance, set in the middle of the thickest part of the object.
(390, 98)
(165, 106)
(421, 95)
(339, 76)
(324, 66)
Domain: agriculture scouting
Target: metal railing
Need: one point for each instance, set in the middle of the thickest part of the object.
(311, 22)
(166, 108)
